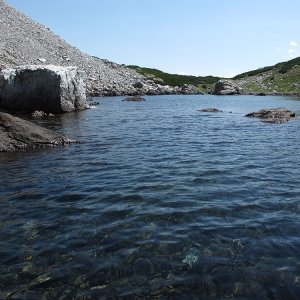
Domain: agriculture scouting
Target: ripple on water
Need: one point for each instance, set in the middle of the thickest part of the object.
(157, 202)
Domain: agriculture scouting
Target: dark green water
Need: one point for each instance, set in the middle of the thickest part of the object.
(159, 201)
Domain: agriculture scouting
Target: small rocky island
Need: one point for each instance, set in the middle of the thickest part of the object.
(134, 99)
(273, 115)
(210, 110)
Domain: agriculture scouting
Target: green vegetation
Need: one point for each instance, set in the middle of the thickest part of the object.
(273, 82)
(281, 67)
(282, 78)
(202, 82)
(287, 66)
(254, 72)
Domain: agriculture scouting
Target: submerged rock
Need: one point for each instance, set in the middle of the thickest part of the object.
(134, 98)
(94, 103)
(210, 110)
(18, 134)
(51, 89)
(37, 114)
(226, 87)
(273, 115)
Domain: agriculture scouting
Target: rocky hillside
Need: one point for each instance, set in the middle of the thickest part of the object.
(280, 79)
(23, 41)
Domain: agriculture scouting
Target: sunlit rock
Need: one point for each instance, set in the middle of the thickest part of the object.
(226, 87)
(44, 88)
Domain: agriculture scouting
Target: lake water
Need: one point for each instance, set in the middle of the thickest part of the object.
(159, 201)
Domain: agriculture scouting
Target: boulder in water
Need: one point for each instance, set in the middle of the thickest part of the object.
(210, 110)
(273, 115)
(18, 134)
(134, 98)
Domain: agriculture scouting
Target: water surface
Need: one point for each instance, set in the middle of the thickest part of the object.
(159, 201)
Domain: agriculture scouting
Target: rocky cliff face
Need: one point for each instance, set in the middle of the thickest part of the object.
(25, 42)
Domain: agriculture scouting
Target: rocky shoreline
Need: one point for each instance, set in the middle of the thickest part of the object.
(230, 87)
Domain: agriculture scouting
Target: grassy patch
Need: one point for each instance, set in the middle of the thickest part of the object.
(282, 68)
(175, 79)
(273, 81)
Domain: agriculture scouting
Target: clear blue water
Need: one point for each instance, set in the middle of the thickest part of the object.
(159, 201)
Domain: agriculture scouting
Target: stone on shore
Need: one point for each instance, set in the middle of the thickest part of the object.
(18, 134)
(49, 88)
(273, 115)
(226, 87)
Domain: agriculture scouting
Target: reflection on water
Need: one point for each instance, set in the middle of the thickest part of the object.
(159, 201)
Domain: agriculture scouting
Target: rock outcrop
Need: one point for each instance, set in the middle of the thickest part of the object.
(18, 134)
(51, 89)
(226, 87)
(273, 115)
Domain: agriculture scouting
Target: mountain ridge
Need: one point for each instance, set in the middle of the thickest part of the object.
(282, 78)
(25, 41)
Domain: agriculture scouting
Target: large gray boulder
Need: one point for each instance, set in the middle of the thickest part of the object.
(18, 134)
(49, 88)
(189, 89)
(226, 87)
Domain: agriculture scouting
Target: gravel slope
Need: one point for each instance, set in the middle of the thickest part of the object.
(24, 41)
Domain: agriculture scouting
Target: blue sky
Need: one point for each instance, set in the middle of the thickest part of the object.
(197, 37)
